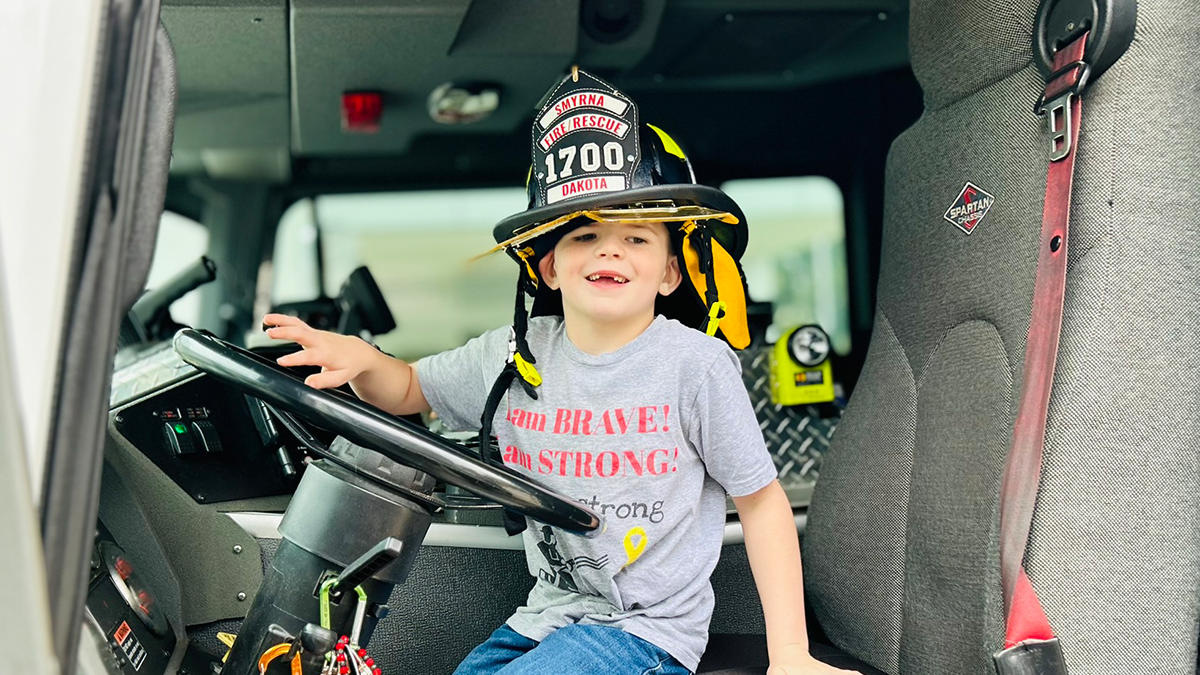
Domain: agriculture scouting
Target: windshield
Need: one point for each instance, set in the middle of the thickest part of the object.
(418, 246)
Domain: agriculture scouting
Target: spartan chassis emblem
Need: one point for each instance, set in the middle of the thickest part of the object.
(970, 208)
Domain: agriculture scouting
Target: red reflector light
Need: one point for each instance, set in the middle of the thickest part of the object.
(123, 568)
(361, 111)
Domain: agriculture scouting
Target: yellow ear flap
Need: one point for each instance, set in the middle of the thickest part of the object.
(729, 289)
(731, 292)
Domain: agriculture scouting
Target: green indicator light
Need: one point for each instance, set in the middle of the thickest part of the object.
(180, 429)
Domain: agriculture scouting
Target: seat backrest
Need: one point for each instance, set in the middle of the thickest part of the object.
(901, 551)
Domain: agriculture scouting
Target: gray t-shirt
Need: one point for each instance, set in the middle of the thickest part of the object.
(652, 436)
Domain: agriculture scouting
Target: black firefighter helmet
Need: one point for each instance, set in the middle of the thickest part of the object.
(595, 161)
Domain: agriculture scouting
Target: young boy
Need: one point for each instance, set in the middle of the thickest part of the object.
(639, 416)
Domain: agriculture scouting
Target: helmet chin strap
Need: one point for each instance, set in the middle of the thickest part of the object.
(519, 367)
(713, 272)
(526, 283)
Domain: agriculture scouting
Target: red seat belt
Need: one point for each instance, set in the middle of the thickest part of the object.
(1030, 644)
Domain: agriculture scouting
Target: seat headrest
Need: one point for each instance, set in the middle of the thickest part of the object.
(960, 46)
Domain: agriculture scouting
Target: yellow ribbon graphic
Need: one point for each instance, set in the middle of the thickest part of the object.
(635, 545)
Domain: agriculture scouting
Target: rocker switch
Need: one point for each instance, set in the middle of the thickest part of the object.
(206, 436)
(179, 438)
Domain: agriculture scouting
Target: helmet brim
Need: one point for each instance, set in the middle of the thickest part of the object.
(681, 193)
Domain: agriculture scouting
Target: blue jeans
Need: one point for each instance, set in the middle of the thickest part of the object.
(570, 650)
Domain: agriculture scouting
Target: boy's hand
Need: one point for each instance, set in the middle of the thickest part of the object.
(810, 667)
(795, 660)
(341, 357)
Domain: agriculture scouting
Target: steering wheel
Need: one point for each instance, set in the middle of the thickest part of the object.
(386, 434)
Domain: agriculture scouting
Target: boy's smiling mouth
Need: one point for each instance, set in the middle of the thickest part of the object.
(606, 278)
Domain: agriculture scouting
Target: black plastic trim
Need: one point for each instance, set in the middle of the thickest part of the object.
(1110, 25)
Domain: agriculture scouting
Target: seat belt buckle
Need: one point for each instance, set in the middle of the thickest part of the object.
(1032, 657)
(1060, 122)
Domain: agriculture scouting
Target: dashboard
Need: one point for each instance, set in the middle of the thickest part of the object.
(212, 441)
(216, 444)
(219, 448)
(203, 472)
(122, 607)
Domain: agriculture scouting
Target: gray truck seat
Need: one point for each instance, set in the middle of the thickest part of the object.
(901, 550)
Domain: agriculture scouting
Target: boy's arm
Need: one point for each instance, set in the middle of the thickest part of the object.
(381, 380)
(774, 552)
(392, 386)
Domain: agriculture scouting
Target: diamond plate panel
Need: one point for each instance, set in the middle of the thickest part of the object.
(140, 372)
(797, 436)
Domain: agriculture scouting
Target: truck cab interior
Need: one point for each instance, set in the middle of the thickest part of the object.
(343, 160)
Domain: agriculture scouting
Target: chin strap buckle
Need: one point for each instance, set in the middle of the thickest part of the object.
(715, 314)
(528, 372)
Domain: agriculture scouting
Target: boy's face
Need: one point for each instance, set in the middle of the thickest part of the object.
(609, 272)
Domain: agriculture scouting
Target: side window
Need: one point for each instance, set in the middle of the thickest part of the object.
(418, 246)
(795, 260)
(294, 264)
(181, 241)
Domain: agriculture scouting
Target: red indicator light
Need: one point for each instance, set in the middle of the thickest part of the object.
(123, 568)
(361, 111)
(146, 602)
